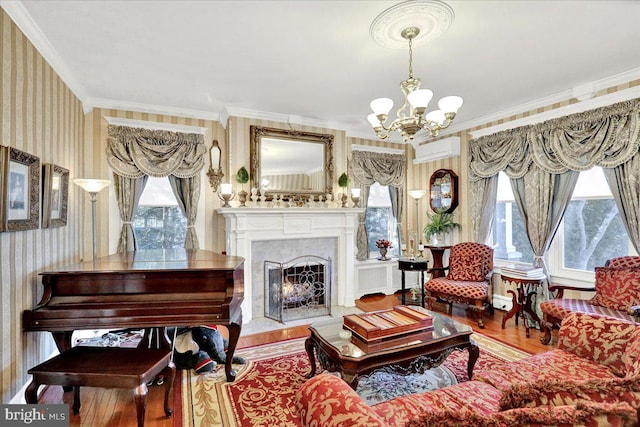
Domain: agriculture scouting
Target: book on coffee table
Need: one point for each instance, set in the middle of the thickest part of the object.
(377, 326)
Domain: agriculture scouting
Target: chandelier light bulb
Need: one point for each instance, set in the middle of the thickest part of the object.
(450, 104)
(436, 116)
(373, 119)
(420, 98)
(381, 106)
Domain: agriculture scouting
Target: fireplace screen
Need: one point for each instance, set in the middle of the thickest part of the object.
(297, 289)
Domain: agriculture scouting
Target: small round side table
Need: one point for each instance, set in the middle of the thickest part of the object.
(525, 287)
(421, 265)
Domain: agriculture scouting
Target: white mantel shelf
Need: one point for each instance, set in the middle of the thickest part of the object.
(243, 226)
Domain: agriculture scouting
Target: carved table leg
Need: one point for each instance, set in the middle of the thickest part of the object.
(514, 308)
(474, 353)
(309, 347)
(234, 335)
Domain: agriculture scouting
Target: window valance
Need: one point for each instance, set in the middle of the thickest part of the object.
(606, 137)
(135, 152)
(387, 169)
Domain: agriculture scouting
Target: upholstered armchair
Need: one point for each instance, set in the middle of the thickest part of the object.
(468, 280)
(617, 294)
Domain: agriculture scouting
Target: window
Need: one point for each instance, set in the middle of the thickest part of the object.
(510, 241)
(158, 221)
(590, 233)
(379, 221)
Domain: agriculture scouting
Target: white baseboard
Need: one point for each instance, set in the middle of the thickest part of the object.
(501, 302)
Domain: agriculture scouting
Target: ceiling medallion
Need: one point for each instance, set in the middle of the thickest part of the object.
(432, 18)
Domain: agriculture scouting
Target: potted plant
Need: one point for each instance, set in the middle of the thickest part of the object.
(242, 177)
(343, 182)
(440, 223)
(383, 246)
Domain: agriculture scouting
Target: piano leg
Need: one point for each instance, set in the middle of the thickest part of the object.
(63, 340)
(234, 335)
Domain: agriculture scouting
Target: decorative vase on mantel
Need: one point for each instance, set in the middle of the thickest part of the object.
(383, 254)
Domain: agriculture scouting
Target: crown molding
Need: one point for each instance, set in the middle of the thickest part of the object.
(151, 109)
(373, 149)
(589, 104)
(275, 117)
(21, 17)
(119, 121)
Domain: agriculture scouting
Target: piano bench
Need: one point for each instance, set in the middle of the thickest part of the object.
(106, 367)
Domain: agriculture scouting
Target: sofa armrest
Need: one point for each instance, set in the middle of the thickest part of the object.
(561, 288)
(325, 400)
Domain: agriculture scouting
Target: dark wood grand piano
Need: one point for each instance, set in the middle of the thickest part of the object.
(142, 289)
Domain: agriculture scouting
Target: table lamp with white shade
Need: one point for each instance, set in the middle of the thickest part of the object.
(93, 187)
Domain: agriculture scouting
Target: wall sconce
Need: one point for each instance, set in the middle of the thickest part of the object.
(355, 197)
(215, 171)
(225, 194)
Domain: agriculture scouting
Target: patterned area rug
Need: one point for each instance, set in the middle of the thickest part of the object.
(263, 392)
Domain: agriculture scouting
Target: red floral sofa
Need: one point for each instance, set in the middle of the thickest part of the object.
(591, 379)
(617, 294)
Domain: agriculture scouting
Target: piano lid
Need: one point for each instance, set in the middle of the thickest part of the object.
(154, 260)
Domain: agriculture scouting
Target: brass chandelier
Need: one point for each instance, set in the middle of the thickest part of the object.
(411, 116)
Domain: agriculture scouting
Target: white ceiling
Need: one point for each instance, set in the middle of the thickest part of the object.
(314, 60)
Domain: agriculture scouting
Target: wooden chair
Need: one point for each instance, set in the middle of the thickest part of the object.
(468, 280)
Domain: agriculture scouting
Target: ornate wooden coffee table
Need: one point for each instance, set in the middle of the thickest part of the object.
(337, 353)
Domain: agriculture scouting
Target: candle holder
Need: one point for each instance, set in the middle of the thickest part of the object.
(215, 173)
(355, 197)
(226, 194)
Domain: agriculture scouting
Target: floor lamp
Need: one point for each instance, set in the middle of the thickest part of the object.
(93, 187)
(417, 195)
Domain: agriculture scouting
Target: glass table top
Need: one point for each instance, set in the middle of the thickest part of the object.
(333, 332)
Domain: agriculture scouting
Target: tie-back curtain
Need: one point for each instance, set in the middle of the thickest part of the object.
(386, 169)
(134, 152)
(606, 137)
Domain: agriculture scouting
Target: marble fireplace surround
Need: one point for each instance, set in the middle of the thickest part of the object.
(257, 234)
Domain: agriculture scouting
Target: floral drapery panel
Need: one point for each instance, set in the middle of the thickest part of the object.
(135, 153)
(386, 169)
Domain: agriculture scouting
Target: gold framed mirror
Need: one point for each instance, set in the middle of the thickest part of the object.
(291, 162)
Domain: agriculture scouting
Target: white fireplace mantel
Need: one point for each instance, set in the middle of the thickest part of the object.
(243, 226)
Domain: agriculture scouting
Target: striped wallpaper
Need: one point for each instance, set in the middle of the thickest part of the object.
(38, 115)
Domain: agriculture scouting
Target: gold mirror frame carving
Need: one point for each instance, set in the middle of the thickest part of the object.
(256, 135)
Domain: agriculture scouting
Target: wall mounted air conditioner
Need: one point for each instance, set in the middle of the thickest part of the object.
(436, 150)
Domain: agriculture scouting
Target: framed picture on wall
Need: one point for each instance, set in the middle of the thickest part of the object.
(55, 195)
(19, 190)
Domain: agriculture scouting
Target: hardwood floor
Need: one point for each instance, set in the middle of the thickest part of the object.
(116, 408)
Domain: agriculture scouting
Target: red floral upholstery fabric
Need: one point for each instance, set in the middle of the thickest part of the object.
(327, 401)
(466, 268)
(464, 397)
(559, 392)
(589, 414)
(562, 307)
(478, 249)
(631, 357)
(600, 339)
(544, 366)
(624, 261)
(617, 288)
(472, 290)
